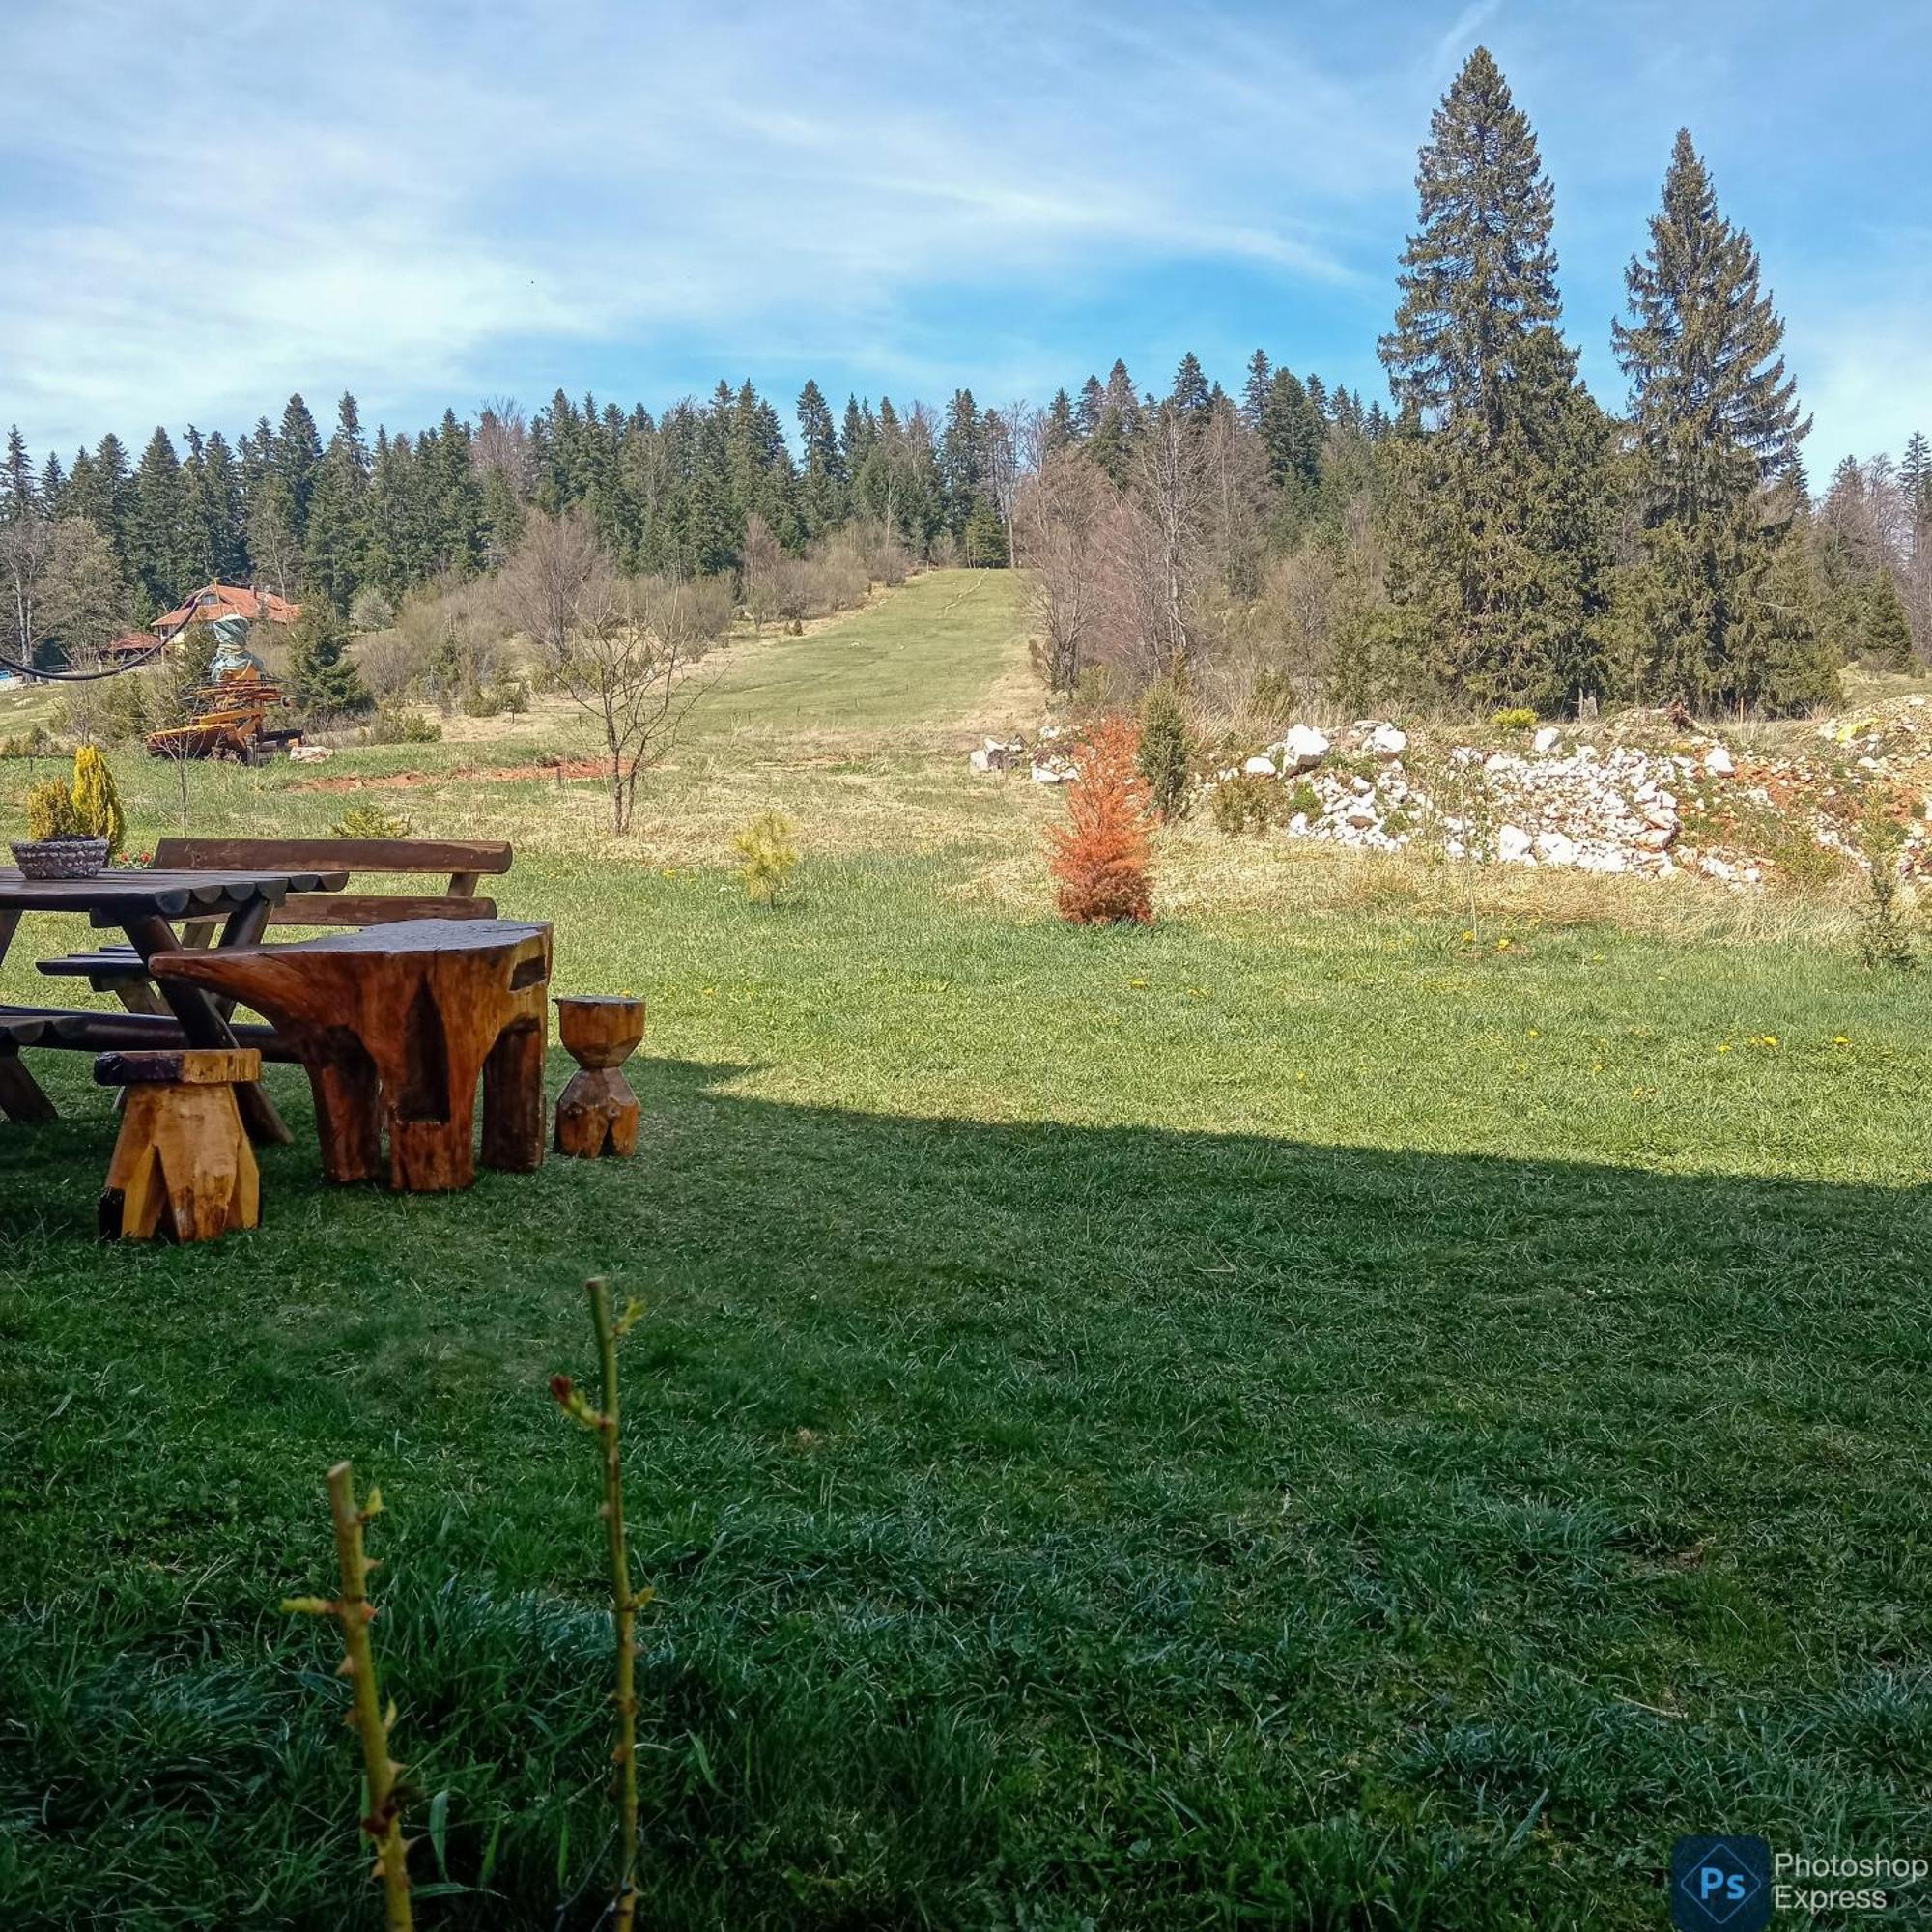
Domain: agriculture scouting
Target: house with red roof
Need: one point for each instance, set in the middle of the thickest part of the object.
(226, 600)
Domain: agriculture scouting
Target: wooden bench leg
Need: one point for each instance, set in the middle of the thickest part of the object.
(183, 1168)
(22, 1097)
(513, 1098)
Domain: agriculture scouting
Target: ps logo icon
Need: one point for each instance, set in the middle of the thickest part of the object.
(1721, 1882)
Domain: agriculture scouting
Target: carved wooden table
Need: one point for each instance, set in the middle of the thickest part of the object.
(395, 1026)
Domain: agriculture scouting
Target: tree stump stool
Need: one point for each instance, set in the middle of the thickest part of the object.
(182, 1169)
(395, 1025)
(597, 1113)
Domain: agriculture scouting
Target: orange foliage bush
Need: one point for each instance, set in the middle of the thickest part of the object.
(1101, 860)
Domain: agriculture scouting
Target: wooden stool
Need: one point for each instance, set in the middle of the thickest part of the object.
(597, 1113)
(182, 1169)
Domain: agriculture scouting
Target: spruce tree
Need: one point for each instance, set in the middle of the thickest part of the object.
(295, 456)
(18, 492)
(322, 677)
(1498, 494)
(1190, 393)
(821, 492)
(160, 546)
(1715, 424)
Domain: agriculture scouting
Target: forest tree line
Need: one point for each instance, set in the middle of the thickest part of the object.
(1494, 537)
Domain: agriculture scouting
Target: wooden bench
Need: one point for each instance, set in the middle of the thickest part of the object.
(463, 862)
(22, 1097)
(396, 1024)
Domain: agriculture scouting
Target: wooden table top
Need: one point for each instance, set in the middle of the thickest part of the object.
(136, 891)
(394, 939)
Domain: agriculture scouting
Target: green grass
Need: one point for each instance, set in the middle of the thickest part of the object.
(1267, 1420)
(928, 651)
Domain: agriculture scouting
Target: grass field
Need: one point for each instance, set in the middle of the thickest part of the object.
(1292, 1417)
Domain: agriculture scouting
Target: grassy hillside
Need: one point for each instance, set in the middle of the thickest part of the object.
(1296, 1417)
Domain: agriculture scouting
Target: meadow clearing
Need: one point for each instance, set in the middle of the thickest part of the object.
(1296, 1415)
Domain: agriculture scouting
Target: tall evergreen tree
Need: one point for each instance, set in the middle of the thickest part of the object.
(160, 545)
(1254, 390)
(19, 494)
(1190, 392)
(1714, 423)
(1498, 505)
(295, 456)
(821, 490)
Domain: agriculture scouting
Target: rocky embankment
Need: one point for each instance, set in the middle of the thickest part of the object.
(1641, 793)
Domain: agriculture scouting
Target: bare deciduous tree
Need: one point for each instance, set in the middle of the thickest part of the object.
(1057, 524)
(61, 581)
(626, 653)
(760, 565)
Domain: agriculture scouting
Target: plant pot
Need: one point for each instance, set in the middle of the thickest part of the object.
(60, 858)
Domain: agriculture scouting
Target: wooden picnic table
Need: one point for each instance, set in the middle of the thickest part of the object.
(146, 903)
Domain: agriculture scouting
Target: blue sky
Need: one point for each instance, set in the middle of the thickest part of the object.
(210, 203)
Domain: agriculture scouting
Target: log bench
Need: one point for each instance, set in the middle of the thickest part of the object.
(461, 862)
(396, 1024)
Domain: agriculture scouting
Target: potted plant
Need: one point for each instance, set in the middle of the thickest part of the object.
(71, 829)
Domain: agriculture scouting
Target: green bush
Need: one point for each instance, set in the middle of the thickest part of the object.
(398, 724)
(51, 813)
(767, 855)
(1166, 755)
(371, 821)
(1515, 718)
(1248, 803)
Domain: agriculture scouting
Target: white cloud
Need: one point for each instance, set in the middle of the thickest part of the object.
(271, 198)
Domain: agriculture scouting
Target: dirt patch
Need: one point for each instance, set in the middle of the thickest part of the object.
(567, 768)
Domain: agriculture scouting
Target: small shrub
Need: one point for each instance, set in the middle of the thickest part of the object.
(97, 799)
(1249, 803)
(371, 821)
(1885, 938)
(1166, 755)
(767, 855)
(398, 724)
(1272, 696)
(513, 696)
(1515, 718)
(481, 701)
(51, 813)
(1101, 859)
(1302, 796)
(36, 743)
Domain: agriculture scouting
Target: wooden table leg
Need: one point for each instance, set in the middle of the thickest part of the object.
(22, 1097)
(513, 1098)
(204, 1025)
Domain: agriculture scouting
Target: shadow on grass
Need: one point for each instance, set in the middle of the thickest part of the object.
(1054, 1525)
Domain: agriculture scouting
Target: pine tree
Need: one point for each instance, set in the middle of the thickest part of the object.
(1715, 423)
(1190, 393)
(1497, 496)
(1059, 431)
(959, 462)
(322, 676)
(1915, 478)
(160, 550)
(822, 489)
(19, 494)
(1254, 390)
(295, 456)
